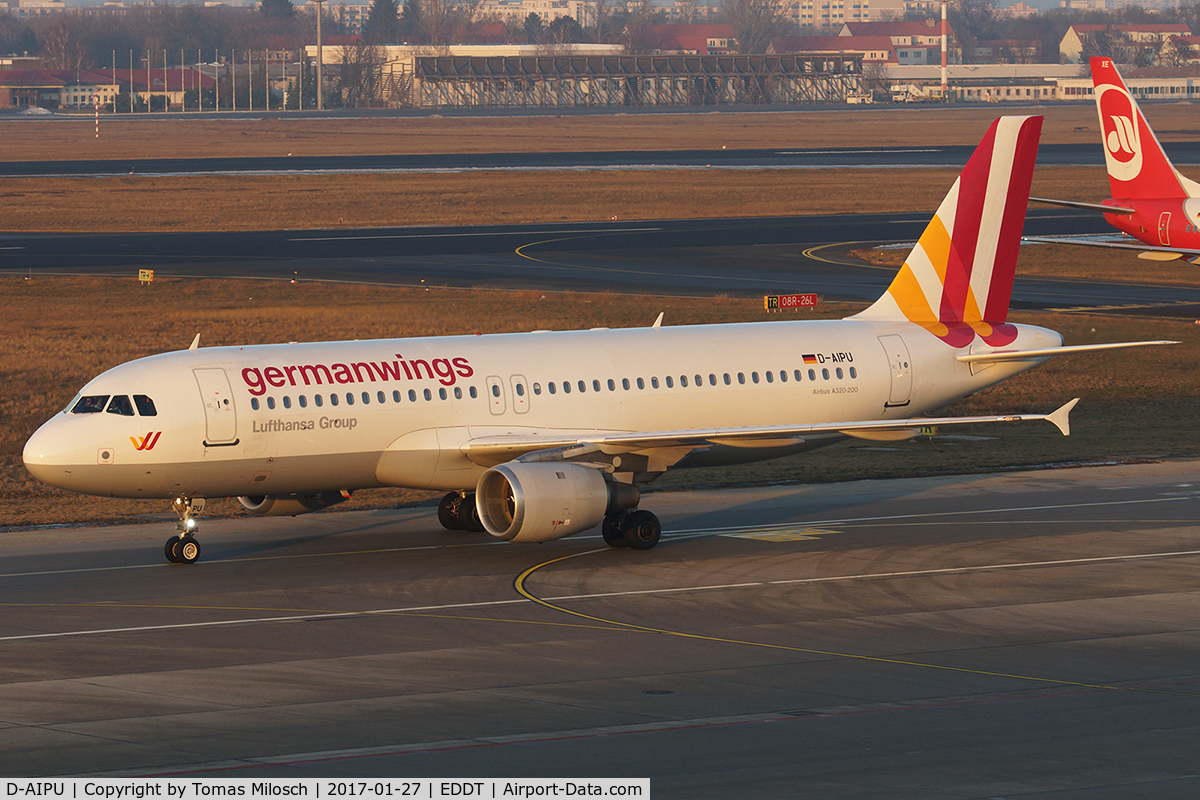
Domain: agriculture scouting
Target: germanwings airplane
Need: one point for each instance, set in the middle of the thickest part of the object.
(1151, 201)
(535, 436)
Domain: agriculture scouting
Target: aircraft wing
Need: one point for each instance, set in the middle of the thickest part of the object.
(492, 450)
(1153, 253)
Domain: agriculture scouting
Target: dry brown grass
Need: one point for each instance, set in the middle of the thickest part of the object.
(279, 202)
(72, 137)
(1135, 402)
(1068, 261)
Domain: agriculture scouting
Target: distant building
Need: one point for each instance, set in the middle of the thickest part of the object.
(1007, 51)
(1070, 49)
(25, 9)
(915, 42)
(702, 40)
(873, 49)
(514, 12)
(55, 88)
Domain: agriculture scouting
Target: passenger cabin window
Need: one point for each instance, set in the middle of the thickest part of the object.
(333, 399)
(254, 403)
(457, 393)
(287, 401)
(271, 403)
(303, 401)
(318, 400)
(442, 393)
(396, 395)
(145, 405)
(412, 394)
(349, 398)
(92, 404)
(120, 405)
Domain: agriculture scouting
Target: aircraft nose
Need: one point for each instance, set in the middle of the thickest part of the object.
(47, 455)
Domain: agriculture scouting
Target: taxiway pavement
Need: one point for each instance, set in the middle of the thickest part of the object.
(1029, 634)
(1049, 154)
(741, 257)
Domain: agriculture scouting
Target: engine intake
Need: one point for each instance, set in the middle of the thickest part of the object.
(289, 505)
(540, 502)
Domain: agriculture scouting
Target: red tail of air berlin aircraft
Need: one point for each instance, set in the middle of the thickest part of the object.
(1151, 201)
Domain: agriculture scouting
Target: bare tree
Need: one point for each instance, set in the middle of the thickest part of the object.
(63, 47)
(755, 23)
(361, 67)
(687, 12)
(443, 21)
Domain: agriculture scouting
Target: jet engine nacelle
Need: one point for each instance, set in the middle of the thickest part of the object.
(289, 505)
(539, 502)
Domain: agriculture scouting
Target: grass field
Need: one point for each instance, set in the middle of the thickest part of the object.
(1134, 403)
(194, 203)
(72, 137)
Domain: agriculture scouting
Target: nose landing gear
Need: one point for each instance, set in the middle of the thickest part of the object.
(183, 547)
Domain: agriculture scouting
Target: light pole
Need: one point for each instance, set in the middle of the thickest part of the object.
(320, 58)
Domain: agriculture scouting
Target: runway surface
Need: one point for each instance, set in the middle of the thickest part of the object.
(740, 257)
(1026, 634)
(1183, 153)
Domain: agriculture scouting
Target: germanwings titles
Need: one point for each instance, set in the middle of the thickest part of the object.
(535, 436)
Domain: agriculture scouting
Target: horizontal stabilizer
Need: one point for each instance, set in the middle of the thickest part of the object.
(1085, 206)
(1030, 355)
(1177, 252)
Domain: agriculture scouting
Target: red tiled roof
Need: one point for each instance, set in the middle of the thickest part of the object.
(685, 37)
(834, 44)
(1139, 28)
(911, 28)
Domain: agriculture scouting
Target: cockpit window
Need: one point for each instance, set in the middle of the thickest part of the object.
(120, 405)
(145, 405)
(90, 404)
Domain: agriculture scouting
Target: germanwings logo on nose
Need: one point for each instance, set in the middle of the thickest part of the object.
(146, 442)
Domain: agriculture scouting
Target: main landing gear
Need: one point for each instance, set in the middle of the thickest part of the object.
(183, 547)
(457, 512)
(631, 528)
